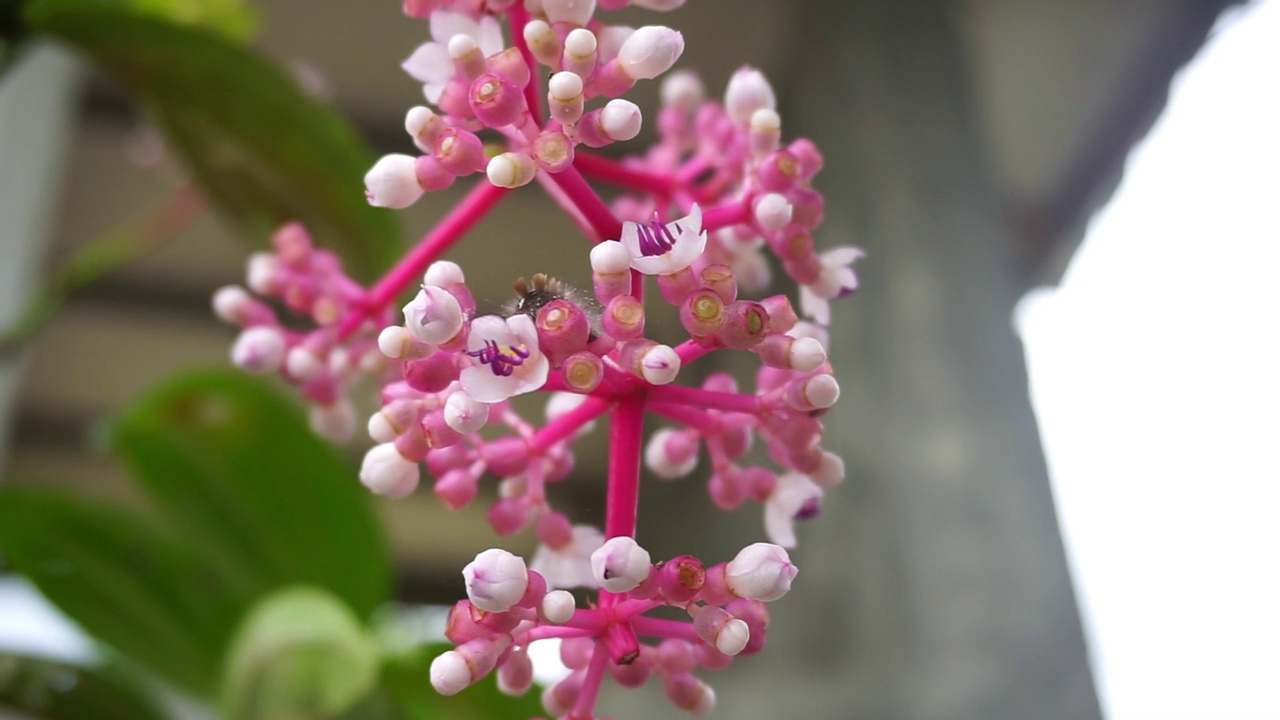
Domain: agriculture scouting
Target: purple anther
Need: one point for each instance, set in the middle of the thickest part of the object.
(809, 510)
(656, 238)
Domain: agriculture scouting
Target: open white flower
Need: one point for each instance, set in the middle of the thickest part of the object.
(658, 248)
(795, 497)
(836, 280)
(569, 566)
(510, 361)
(431, 65)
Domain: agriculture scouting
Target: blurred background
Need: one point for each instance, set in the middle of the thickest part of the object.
(968, 145)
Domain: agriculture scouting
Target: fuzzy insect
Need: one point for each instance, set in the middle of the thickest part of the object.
(532, 295)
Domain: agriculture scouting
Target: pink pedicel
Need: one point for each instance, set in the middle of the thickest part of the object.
(702, 210)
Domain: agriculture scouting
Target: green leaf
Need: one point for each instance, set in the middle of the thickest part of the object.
(236, 19)
(404, 681)
(264, 151)
(48, 690)
(236, 467)
(169, 607)
(300, 654)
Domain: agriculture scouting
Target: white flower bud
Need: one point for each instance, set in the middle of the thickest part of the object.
(303, 363)
(336, 422)
(830, 470)
(806, 355)
(393, 341)
(386, 472)
(381, 429)
(766, 120)
(558, 607)
(747, 92)
(464, 414)
(621, 120)
(609, 41)
(773, 211)
(259, 349)
(760, 571)
(496, 580)
(821, 391)
(443, 273)
(433, 316)
(650, 51)
(261, 272)
(578, 12)
(620, 565)
(657, 457)
(660, 365)
(450, 673)
(511, 170)
(461, 45)
(230, 303)
(733, 637)
(565, 86)
(392, 182)
(609, 258)
(580, 43)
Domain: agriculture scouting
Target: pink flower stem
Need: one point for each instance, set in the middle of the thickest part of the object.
(612, 171)
(607, 390)
(591, 682)
(567, 424)
(625, 429)
(544, 632)
(657, 627)
(692, 169)
(703, 422)
(591, 205)
(734, 213)
(562, 199)
(709, 399)
(482, 198)
(688, 351)
(519, 17)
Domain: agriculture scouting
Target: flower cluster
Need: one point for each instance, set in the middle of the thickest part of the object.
(700, 213)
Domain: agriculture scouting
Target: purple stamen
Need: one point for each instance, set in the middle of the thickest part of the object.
(502, 363)
(809, 509)
(656, 238)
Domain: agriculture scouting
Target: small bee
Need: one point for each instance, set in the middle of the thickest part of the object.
(532, 296)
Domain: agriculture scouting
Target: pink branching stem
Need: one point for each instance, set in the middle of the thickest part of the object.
(657, 627)
(699, 420)
(688, 351)
(680, 394)
(612, 171)
(567, 424)
(623, 644)
(733, 213)
(692, 169)
(519, 17)
(625, 428)
(473, 208)
(555, 383)
(591, 204)
(591, 682)
(544, 632)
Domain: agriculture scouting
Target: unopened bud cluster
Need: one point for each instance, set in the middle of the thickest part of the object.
(698, 215)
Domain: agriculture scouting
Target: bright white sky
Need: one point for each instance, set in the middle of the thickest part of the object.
(1155, 371)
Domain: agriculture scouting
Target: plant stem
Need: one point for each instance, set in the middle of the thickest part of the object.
(597, 213)
(612, 171)
(709, 399)
(591, 682)
(567, 424)
(724, 215)
(658, 627)
(625, 428)
(519, 17)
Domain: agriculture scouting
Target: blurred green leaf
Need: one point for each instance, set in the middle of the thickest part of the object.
(169, 607)
(264, 151)
(236, 19)
(300, 655)
(47, 690)
(405, 682)
(237, 469)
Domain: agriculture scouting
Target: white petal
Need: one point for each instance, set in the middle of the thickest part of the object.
(433, 90)
(815, 307)
(631, 238)
(532, 374)
(480, 382)
(491, 327)
(843, 255)
(430, 63)
(445, 24)
(653, 264)
(692, 221)
(779, 526)
(687, 249)
(489, 36)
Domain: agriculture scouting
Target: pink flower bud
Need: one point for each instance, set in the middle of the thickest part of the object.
(431, 175)
(610, 80)
(681, 578)
(557, 607)
(335, 421)
(496, 580)
(746, 324)
(515, 675)
(690, 694)
(431, 374)
(779, 172)
(466, 55)
(506, 457)
(302, 363)
(579, 52)
(676, 656)
(723, 631)
(624, 318)
(508, 515)
(760, 571)
(830, 471)
(496, 101)
(509, 64)
(765, 130)
(233, 304)
(386, 472)
(808, 155)
(464, 414)
(259, 349)
(576, 12)
(702, 313)
(620, 564)
(818, 392)
(782, 317)
(650, 51)
(575, 653)
(634, 674)
(460, 152)
(511, 170)
(720, 278)
(392, 182)
(582, 371)
(747, 92)
(671, 454)
(454, 671)
(456, 488)
(437, 433)
(424, 126)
